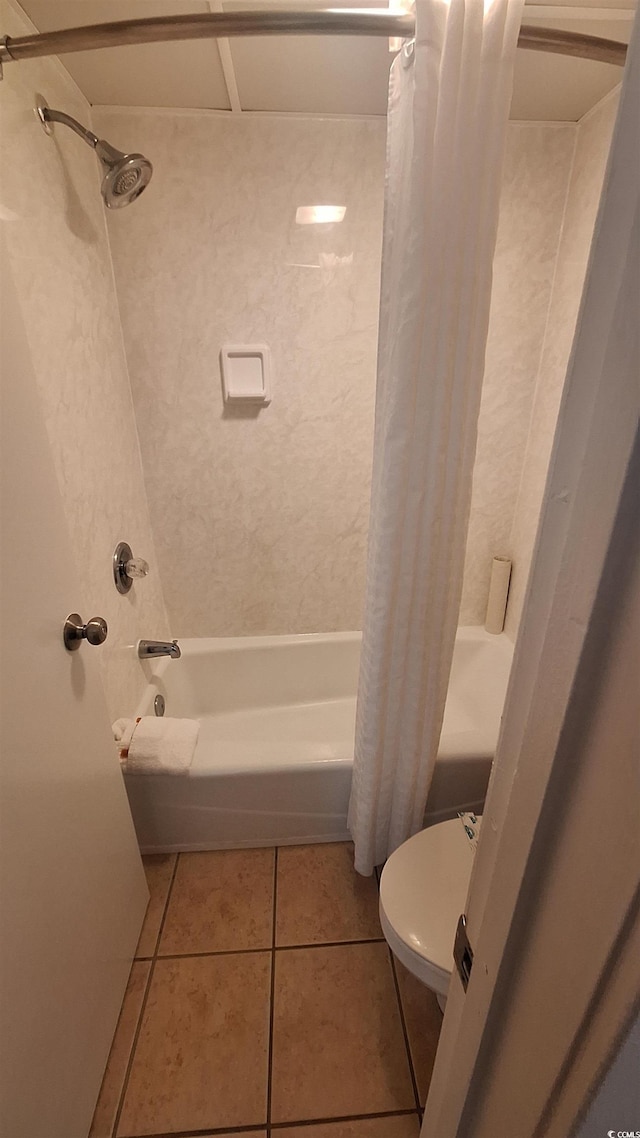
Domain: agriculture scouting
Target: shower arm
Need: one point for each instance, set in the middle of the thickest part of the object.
(159, 29)
(47, 115)
(105, 151)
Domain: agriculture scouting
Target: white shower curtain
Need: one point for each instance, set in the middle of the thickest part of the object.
(448, 109)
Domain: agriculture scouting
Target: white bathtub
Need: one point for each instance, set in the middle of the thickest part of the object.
(275, 754)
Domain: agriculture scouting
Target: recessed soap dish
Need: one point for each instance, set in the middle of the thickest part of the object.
(246, 373)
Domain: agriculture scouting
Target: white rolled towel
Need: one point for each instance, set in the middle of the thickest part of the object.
(156, 744)
(122, 731)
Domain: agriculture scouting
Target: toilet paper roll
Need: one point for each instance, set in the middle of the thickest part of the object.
(498, 593)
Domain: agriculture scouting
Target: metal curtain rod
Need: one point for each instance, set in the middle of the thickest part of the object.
(157, 29)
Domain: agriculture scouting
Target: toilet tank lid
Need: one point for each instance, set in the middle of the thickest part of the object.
(423, 889)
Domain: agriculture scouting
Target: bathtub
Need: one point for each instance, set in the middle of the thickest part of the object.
(275, 754)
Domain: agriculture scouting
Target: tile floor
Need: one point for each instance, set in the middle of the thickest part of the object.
(264, 1001)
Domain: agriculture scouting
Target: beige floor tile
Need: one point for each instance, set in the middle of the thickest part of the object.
(221, 901)
(400, 1126)
(159, 870)
(424, 1020)
(112, 1083)
(321, 898)
(338, 1045)
(201, 1056)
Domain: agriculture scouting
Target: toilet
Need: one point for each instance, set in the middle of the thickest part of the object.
(423, 891)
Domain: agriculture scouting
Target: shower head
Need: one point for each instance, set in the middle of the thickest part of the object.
(125, 175)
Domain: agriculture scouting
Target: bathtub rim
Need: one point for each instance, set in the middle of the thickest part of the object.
(195, 646)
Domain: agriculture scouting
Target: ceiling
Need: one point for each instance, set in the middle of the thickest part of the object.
(320, 75)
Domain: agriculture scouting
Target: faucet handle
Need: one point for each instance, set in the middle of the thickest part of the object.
(136, 567)
(127, 568)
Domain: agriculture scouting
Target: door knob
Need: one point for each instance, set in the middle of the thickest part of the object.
(94, 631)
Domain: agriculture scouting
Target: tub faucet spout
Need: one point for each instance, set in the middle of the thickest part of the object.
(150, 648)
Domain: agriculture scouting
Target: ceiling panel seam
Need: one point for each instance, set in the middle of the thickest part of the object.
(226, 62)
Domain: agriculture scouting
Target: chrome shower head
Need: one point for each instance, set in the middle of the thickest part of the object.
(126, 175)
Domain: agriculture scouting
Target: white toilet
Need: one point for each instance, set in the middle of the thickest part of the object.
(423, 891)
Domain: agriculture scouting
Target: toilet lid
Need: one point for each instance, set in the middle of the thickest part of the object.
(423, 891)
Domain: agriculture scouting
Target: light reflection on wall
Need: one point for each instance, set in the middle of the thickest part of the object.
(320, 214)
(307, 243)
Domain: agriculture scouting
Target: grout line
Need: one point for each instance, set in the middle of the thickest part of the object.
(135, 961)
(166, 907)
(224, 1131)
(405, 1032)
(154, 958)
(272, 992)
(220, 952)
(342, 1118)
(267, 948)
(329, 944)
(276, 1126)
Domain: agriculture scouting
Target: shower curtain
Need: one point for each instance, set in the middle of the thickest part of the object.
(448, 108)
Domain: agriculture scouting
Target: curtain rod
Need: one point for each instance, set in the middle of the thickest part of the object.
(158, 29)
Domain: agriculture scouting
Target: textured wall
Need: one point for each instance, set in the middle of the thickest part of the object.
(54, 222)
(592, 149)
(534, 186)
(260, 523)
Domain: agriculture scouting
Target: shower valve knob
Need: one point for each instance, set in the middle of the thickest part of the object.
(75, 631)
(136, 567)
(127, 568)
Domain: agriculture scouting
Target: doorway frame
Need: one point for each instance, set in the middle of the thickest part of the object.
(582, 520)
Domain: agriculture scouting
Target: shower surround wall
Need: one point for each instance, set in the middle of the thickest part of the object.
(53, 217)
(537, 165)
(260, 520)
(594, 134)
